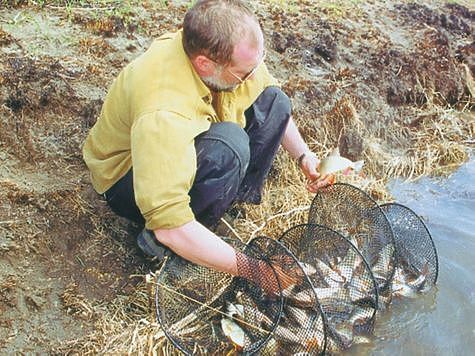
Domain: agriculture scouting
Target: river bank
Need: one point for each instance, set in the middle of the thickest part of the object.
(387, 82)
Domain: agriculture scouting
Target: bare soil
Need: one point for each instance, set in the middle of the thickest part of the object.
(390, 82)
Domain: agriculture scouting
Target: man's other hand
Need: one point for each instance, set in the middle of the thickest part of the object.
(309, 165)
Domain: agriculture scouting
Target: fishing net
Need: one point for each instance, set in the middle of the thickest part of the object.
(353, 213)
(342, 280)
(417, 267)
(301, 329)
(204, 312)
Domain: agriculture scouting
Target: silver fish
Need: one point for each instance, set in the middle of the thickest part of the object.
(404, 286)
(307, 268)
(284, 334)
(359, 287)
(362, 340)
(403, 290)
(326, 295)
(235, 309)
(332, 278)
(271, 347)
(384, 299)
(299, 316)
(381, 268)
(303, 299)
(360, 317)
(420, 282)
(334, 163)
(348, 265)
(233, 332)
(340, 339)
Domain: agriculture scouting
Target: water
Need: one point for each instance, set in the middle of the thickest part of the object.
(442, 321)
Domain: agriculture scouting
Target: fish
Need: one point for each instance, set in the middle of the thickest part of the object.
(302, 328)
(382, 266)
(233, 332)
(307, 268)
(405, 286)
(403, 290)
(326, 295)
(359, 287)
(332, 278)
(334, 163)
(420, 282)
(384, 299)
(282, 333)
(348, 265)
(365, 301)
(297, 315)
(360, 318)
(304, 318)
(303, 299)
(340, 339)
(235, 309)
(361, 339)
(271, 347)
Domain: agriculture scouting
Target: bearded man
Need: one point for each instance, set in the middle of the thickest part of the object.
(191, 126)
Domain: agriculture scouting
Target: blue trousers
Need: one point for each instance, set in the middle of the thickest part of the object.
(232, 163)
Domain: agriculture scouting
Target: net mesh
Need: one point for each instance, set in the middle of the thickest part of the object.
(351, 212)
(315, 290)
(301, 328)
(417, 266)
(204, 312)
(342, 279)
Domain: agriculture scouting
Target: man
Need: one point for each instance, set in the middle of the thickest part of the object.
(189, 127)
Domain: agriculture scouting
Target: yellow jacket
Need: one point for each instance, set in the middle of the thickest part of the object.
(150, 117)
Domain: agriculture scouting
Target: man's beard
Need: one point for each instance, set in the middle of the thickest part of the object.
(214, 83)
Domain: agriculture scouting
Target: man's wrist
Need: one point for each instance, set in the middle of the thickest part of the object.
(303, 155)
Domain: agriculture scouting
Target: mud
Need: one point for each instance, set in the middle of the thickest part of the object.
(355, 75)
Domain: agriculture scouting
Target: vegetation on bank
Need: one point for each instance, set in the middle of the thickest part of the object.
(390, 83)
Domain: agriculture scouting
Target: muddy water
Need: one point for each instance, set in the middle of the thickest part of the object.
(441, 322)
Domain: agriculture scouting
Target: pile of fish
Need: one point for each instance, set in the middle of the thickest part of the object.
(336, 274)
(354, 274)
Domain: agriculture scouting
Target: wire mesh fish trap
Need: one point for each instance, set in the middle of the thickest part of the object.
(301, 329)
(342, 280)
(353, 213)
(418, 266)
(204, 312)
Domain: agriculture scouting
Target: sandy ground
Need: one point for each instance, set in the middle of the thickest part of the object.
(388, 82)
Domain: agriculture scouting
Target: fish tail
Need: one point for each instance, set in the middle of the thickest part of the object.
(358, 166)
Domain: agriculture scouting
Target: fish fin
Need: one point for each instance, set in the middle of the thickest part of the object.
(335, 152)
(425, 269)
(358, 166)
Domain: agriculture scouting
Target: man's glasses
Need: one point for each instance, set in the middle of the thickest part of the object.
(248, 75)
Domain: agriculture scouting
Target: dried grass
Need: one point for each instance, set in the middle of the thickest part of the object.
(128, 325)
(433, 139)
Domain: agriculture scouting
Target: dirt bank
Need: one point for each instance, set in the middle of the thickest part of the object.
(388, 82)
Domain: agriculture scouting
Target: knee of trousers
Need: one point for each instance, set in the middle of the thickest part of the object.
(224, 148)
(280, 101)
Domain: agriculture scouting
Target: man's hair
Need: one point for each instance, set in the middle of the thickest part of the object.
(214, 27)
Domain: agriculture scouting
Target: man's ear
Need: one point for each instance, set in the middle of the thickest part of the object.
(203, 65)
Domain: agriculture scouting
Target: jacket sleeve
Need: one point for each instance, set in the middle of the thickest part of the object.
(164, 167)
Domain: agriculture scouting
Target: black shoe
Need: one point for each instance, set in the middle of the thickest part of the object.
(150, 246)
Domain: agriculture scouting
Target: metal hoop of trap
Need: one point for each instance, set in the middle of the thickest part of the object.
(343, 281)
(302, 327)
(353, 213)
(416, 251)
(202, 311)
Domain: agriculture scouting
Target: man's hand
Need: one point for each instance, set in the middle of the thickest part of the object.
(309, 165)
(281, 271)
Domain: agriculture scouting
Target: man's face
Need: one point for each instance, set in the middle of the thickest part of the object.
(247, 57)
(217, 82)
